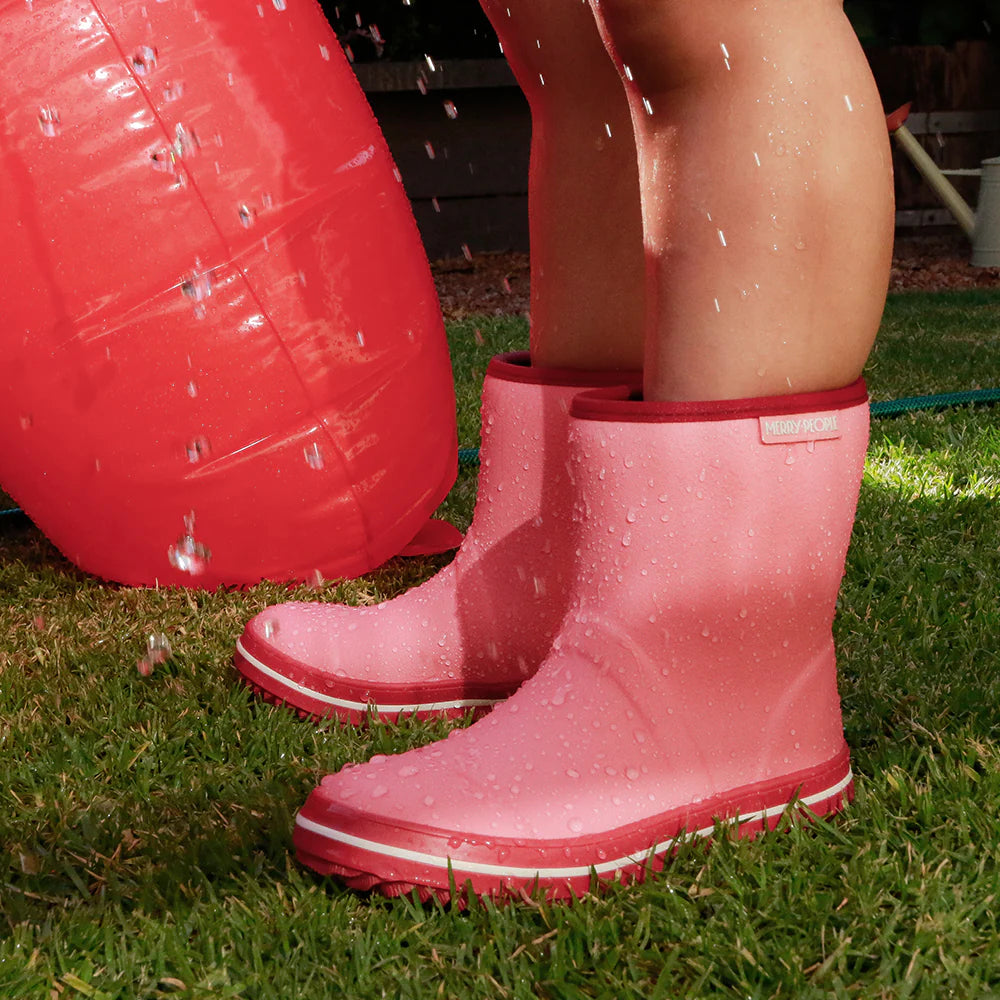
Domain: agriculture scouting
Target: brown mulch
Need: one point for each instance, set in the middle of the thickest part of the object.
(497, 284)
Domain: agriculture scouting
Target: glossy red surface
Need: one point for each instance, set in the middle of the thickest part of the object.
(222, 349)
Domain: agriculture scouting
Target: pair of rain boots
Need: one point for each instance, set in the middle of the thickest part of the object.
(652, 585)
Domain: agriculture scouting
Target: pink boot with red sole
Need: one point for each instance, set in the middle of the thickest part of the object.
(470, 635)
(693, 680)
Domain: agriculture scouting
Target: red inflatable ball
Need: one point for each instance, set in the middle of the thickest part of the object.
(222, 351)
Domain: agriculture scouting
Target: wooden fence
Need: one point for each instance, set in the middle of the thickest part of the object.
(460, 133)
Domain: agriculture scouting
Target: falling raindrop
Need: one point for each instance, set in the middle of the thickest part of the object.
(144, 60)
(186, 142)
(164, 160)
(270, 629)
(173, 91)
(48, 121)
(313, 456)
(197, 449)
(279, 4)
(429, 150)
(450, 110)
(197, 286)
(187, 554)
(466, 252)
(247, 216)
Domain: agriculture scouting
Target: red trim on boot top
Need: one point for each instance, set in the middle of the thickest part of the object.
(619, 404)
(516, 366)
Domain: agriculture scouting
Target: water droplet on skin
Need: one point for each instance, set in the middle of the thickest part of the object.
(575, 824)
(26, 422)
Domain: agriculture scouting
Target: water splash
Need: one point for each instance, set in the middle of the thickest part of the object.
(157, 651)
(188, 554)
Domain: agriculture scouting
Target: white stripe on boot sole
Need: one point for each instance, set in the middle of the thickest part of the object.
(502, 871)
(363, 706)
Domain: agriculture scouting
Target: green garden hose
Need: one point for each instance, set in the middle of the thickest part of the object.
(886, 408)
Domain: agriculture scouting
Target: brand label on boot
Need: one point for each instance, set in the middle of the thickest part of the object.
(800, 427)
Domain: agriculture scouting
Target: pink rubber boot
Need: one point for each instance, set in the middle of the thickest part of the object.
(694, 679)
(470, 635)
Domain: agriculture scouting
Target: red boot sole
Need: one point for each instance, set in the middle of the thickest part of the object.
(393, 860)
(343, 700)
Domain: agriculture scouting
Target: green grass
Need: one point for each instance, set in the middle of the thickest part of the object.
(146, 822)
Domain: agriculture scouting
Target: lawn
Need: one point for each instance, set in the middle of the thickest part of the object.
(146, 828)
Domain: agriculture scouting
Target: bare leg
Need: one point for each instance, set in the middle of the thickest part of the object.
(586, 228)
(766, 192)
